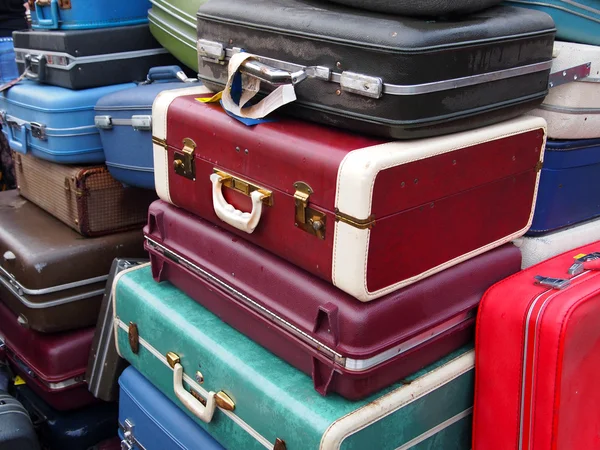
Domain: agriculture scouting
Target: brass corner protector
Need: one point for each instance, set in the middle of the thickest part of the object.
(134, 338)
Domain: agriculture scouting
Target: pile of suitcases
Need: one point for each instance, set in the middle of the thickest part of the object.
(347, 195)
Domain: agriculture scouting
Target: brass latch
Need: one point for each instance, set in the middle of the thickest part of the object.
(243, 186)
(307, 218)
(184, 163)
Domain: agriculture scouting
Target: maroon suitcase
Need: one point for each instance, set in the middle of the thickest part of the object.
(52, 365)
(348, 347)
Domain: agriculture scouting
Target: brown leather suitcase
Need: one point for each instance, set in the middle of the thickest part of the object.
(88, 199)
(49, 275)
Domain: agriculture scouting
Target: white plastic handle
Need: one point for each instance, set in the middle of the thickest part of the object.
(227, 213)
(204, 413)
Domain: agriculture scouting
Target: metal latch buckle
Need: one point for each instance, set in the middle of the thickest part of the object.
(211, 51)
(183, 162)
(38, 131)
(141, 123)
(128, 441)
(103, 122)
(307, 218)
(577, 267)
(554, 283)
(360, 84)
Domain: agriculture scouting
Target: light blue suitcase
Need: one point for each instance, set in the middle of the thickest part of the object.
(54, 123)
(83, 14)
(8, 65)
(149, 420)
(124, 119)
(576, 20)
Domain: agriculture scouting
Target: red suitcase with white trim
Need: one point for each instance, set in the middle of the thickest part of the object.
(368, 215)
(538, 357)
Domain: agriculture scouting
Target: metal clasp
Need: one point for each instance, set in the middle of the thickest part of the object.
(360, 84)
(141, 123)
(211, 51)
(103, 122)
(307, 218)
(577, 267)
(38, 131)
(128, 442)
(183, 162)
(554, 283)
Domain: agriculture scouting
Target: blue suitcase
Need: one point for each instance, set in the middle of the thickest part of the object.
(569, 190)
(8, 65)
(124, 119)
(53, 123)
(85, 14)
(149, 420)
(576, 20)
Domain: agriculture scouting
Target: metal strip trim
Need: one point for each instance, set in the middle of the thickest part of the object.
(192, 383)
(170, 33)
(567, 110)
(442, 426)
(179, 13)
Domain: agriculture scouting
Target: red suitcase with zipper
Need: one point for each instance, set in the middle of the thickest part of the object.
(538, 357)
(348, 347)
(52, 365)
(367, 215)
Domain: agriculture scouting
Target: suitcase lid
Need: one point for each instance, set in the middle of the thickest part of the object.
(54, 358)
(37, 251)
(335, 323)
(563, 154)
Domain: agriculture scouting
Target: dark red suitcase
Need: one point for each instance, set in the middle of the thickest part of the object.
(52, 365)
(349, 347)
(538, 357)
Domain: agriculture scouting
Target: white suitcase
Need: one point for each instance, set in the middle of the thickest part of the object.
(572, 110)
(536, 249)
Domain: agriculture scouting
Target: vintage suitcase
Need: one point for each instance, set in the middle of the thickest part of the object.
(358, 204)
(572, 110)
(83, 14)
(124, 119)
(149, 420)
(52, 364)
(539, 248)
(256, 400)
(86, 198)
(173, 24)
(427, 8)
(537, 347)
(49, 275)
(351, 348)
(16, 429)
(570, 174)
(69, 430)
(54, 123)
(8, 66)
(576, 20)
(86, 59)
(104, 364)
(400, 77)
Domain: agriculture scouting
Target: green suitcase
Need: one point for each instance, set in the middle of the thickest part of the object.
(173, 25)
(247, 398)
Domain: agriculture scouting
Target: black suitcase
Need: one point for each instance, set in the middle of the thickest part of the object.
(392, 76)
(432, 8)
(81, 59)
(16, 429)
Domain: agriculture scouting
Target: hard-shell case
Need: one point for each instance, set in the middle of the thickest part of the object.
(89, 58)
(256, 400)
(538, 248)
(124, 119)
(86, 198)
(8, 66)
(368, 215)
(16, 429)
(351, 348)
(576, 20)
(49, 275)
(148, 419)
(570, 176)
(173, 24)
(82, 14)
(52, 364)
(54, 123)
(81, 429)
(572, 110)
(104, 364)
(537, 345)
(398, 77)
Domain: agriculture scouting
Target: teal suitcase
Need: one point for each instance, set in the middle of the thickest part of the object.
(246, 398)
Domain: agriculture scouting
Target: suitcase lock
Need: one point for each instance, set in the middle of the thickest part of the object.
(38, 131)
(183, 162)
(307, 218)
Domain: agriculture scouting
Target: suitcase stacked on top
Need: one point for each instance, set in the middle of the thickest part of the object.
(69, 219)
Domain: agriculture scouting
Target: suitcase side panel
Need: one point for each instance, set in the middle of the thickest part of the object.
(17, 431)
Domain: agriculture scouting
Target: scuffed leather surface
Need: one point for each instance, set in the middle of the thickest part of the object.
(435, 8)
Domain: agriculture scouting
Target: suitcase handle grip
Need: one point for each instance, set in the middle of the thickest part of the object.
(16, 140)
(47, 22)
(204, 413)
(246, 222)
(40, 61)
(166, 73)
(271, 75)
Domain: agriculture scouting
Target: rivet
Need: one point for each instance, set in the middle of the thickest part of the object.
(514, 158)
(402, 184)
(231, 41)
(338, 65)
(338, 92)
(199, 378)
(295, 224)
(453, 162)
(76, 221)
(237, 149)
(246, 151)
(431, 205)
(416, 180)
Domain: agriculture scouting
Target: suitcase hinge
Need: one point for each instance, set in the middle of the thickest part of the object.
(307, 218)
(183, 162)
(38, 131)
